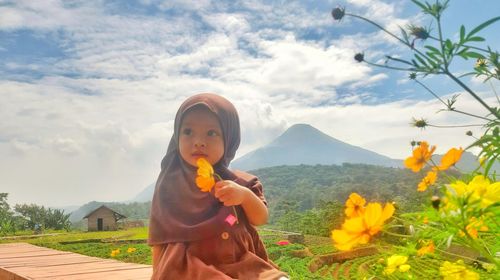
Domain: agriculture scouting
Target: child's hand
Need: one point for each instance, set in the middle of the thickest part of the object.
(230, 193)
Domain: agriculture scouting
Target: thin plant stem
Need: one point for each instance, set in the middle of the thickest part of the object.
(395, 68)
(495, 114)
(467, 46)
(385, 30)
(454, 126)
(442, 101)
(219, 178)
(495, 91)
(395, 234)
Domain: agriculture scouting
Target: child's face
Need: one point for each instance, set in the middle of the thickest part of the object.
(201, 136)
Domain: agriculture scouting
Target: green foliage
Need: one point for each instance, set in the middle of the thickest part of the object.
(7, 225)
(317, 192)
(38, 217)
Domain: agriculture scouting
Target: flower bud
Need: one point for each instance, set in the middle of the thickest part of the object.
(421, 123)
(359, 57)
(338, 13)
(419, 32)
(411, 230)
(435, 200)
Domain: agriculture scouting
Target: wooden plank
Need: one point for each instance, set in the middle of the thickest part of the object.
(21, 261)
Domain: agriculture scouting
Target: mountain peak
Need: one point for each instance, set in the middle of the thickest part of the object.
(305, 144)
(300, 134)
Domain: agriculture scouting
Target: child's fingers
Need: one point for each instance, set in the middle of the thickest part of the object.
(220, 184)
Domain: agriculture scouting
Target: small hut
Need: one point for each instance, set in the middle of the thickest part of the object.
(103, 218)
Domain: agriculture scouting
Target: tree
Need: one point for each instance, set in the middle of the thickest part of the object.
(7, 225)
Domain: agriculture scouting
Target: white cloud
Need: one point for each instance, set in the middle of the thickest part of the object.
(97, 124)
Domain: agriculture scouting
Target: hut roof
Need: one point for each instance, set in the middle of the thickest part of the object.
(117, 215)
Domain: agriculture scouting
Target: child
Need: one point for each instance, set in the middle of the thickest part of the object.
(191, 232)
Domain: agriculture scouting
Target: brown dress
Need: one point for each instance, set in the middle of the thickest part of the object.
(187, 227)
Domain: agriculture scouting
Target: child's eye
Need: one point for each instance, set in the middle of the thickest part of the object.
(186, 131)
(212, 133)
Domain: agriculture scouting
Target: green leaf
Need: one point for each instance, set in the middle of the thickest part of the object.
(422, 6)
(476, 39)
(473, 55)
(433, 49)
(448, 47)
(482, 25)
(405, 35)
(462, 33)
(421, 60)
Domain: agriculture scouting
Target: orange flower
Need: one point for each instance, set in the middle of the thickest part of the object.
(427, 249)
(420, 156)
(205, 179)
(428, 180)
(359, 230)
(450, 158)
(473, 227)
(426, 220)
(354, 206)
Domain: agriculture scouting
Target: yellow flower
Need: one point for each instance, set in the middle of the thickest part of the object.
(131, 250)
(354, 206)
(428, 180)
(457, 271)
(396, 262)
(450, 158)
(205, 179)
(115, 252)
(420, 156)
(479, 188)
(426, 249)
(359, 230)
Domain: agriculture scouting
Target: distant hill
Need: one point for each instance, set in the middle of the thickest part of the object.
(303, 187)
(304, 144)
(132, 210)
(145, 195)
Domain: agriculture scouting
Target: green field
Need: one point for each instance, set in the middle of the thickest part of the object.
(295, 259)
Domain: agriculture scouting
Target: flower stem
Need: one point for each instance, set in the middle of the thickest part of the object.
(219, 178)
(395, 234)
(493, 112)
(449, 108)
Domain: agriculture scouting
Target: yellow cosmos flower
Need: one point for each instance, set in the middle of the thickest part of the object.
(420, 156)
(426, 249)
(457, 271)
(480, 188)
(359, 230)
(396, 262)
(115, 252)
(450, 158)
(428, 180)
(354, 206)
(131, 250)
(205, 179)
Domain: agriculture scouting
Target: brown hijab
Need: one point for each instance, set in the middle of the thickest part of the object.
(180, 212)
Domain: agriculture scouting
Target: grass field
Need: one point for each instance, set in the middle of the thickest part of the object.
(295, 259)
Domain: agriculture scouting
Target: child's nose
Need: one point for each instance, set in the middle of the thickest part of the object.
(199, 143)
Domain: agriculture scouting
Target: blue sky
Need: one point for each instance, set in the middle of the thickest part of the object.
(90, 88)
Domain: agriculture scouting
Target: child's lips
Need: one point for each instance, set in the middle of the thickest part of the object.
(199, 155)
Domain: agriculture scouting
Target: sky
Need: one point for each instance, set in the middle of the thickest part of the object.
(89, 89)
